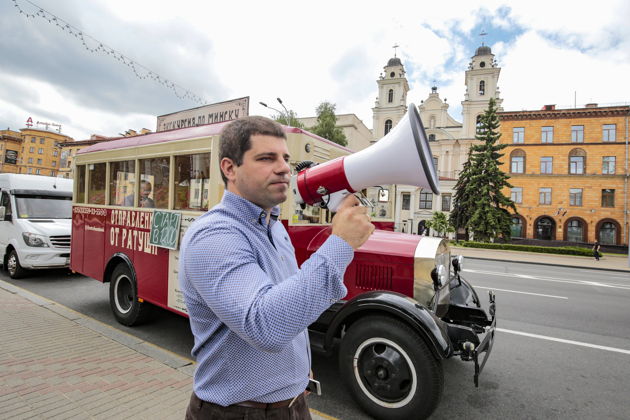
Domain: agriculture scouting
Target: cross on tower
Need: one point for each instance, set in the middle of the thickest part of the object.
(394, 47)
(482, 34)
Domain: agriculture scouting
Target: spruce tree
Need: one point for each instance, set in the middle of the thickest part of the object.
(484, 207)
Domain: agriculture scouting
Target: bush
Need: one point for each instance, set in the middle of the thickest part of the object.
(565, 250)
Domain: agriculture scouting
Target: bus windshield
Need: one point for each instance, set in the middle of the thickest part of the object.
(43, 207)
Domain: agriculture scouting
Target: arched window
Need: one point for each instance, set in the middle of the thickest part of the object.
(517, 227)
(390, 96)
(608, 232)
(432, 122)
(517, 161)
(479, 126)
(431, 137)
(482, 88)
(575, 230)
(388, 126)
(577, 161)
(545, 228)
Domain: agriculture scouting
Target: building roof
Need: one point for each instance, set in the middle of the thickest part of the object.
(483, 50)
(395, 61)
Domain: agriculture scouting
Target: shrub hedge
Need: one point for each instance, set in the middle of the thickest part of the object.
(565, 250)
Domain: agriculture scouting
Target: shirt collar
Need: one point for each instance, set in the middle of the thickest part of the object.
(246, 210)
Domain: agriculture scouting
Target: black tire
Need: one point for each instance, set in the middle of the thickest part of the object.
(13, 266)
(390, 370)
(123, 297)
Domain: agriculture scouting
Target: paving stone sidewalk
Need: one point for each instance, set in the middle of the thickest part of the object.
(58, 364)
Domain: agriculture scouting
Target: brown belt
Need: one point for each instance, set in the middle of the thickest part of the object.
(279, 404)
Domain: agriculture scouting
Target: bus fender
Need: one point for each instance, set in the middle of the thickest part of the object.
(393, 304)
(113, 261)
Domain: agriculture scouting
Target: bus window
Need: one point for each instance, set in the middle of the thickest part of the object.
(96, 185)
(154, 183)
(121, 183)
(191, 182)
(80, 197)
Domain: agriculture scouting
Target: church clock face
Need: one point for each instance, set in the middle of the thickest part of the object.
(482, 64)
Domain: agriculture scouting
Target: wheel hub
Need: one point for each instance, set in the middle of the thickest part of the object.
(385, 372)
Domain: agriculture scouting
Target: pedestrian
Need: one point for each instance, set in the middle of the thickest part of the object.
(249, 305)
(596, 253)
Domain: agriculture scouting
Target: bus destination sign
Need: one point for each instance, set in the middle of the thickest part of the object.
(207, 114)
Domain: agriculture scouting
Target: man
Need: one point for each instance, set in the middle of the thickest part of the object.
(249, 304)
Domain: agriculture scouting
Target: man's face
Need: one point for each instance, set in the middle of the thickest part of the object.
(263, 177)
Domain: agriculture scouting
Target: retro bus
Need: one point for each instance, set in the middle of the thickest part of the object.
(407, 309)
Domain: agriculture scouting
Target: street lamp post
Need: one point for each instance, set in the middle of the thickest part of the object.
(286, 114)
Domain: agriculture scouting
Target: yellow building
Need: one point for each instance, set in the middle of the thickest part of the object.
(40, 152)
(569, 171)
(10, 151)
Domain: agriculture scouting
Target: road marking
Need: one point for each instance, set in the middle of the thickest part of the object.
(523, 293)
(550, 279)
(562, 340)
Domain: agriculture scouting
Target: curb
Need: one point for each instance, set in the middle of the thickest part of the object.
(546, 263)
(179, 363)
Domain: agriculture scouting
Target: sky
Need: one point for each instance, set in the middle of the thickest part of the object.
(550, 52)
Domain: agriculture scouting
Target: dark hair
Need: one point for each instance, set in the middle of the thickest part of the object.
(236, 136)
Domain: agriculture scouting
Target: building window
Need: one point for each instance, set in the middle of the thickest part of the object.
(31, 149)
(518, 134)
(388, 126)
(546, 165)
(575, 196)
(406, 200)
(390, 96)
(577, 134)
(55, 152)
(30, 160)
(517, 227)
(517, 195)
(544, 195)
(608, 198)
(547, 135)
(431, 137)
(426, 200)
(33, 140)
(52, 173)
(482, 88)
(517, 161)
(609, 132)
(435, 163)
(29, 170)
(39, 161)
(608, 165)
(577, 161)
(40, 151)
(38, 171)
(54, 163)
(42, 140)
(479, 127)
(608, 233)
(446, 202)
(575, 231)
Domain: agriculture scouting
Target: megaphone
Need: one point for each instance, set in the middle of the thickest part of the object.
(403, 156)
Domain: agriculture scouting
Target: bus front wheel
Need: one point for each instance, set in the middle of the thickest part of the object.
(123, 297)
(390, 370)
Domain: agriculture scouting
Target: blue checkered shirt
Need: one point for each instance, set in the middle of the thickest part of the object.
(250, 305)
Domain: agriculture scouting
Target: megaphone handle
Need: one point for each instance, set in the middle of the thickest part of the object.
(335, 199)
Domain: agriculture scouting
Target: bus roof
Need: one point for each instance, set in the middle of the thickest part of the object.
(184, 133)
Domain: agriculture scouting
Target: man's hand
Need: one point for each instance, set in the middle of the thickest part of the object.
(352, 222)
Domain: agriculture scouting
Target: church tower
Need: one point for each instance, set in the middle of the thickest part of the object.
(391, 103)
(482, 77)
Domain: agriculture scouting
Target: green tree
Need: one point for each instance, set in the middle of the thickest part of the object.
(289, 119)
(440, 223)
(462, 203)
(326, 126)
(482, 205)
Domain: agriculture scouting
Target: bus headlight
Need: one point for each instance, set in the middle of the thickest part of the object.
(442, 275)
(33, 239)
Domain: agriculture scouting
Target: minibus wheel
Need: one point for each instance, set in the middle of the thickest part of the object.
(123, 297)
(13, 266)
(390, 370)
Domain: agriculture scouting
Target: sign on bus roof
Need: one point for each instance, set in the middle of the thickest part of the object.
(207, 114)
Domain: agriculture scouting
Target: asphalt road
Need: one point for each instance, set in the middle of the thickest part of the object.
(562, 349)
